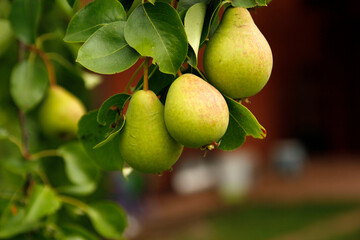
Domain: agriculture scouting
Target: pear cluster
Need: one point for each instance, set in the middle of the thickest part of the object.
(195, 114)
(237, 63)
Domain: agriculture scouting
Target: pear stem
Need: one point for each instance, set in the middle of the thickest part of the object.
(43, 154)
(133, 77)
(47, 62)
(179, 73)
(146, 74)
(72, 201)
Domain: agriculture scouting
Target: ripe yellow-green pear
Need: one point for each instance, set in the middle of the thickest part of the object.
(145, 143)
(238, 59)
(196, 114)
(60, 113)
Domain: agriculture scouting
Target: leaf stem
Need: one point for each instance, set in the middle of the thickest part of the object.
(75, 202)
(47, 62)
(133, 77)
(43, 154)
(146, 73)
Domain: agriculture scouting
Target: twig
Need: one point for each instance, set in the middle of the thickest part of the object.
(48, 63)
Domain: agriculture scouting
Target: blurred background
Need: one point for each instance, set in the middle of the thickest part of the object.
(301, 182)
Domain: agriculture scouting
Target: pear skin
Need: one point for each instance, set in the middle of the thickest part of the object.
(145, 143)
(60, 113)
(238, 59)
(196, 114)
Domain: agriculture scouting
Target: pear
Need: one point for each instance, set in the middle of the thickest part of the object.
(238, 59)
(145, 143)
(196, 114)
(60, 113)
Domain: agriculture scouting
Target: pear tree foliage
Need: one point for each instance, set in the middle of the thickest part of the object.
(53, 157)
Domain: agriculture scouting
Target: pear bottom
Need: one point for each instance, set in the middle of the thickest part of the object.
(145, 143)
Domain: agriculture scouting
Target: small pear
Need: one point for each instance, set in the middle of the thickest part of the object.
(238, 59)
(60, 113)
(145, 143)
(196, 114)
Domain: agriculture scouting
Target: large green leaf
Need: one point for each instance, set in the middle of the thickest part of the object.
(24, 18)
(242, 123)
(92, 17)
(106, 51)
(28, 84)
(194, 21)
(108, 218)
(79, 167)
(42, 202)
(246, 119)
(157, 31)
(234, 136)
(90, 133)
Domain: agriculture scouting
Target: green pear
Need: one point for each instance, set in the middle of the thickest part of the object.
(196, 114)
(145, 144)
(238, 59)
(60, 113)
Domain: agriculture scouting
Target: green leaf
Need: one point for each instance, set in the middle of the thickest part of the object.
(211, 18)
(75, 232)
(250, 3)
(12, 225)
(71, 2)
(43, 202)
(186, 4)
(157, 31)
(79, 167)
(246, 119)
(119, 100)
(91, 133)
(24, 18)
(92, 17)
(194, 21)
(78, 190)
(120, 123)
(6, 35)
(28, 84)
(106, 51)
(11, 182)
(234, 136)
(109, 219)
